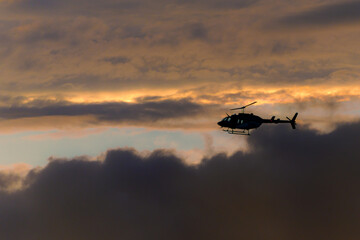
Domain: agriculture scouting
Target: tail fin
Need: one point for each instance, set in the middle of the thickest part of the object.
(292, 121)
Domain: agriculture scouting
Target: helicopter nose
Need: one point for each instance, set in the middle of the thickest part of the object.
(220, 124)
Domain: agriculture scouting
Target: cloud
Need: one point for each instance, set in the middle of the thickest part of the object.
(292, 182)
(9, 181)
(117, 60)
(196, 31)
(11, 177)
(219, 4)
(128, 53)
(327, 15)
(80, 53)
(118, 6)
(324, 112)
(321, 110)
(78, 6)
(143, 112)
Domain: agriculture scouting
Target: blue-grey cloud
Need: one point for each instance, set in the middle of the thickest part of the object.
(119, 6)
(144, 112)
(117, 60)
(331, 14)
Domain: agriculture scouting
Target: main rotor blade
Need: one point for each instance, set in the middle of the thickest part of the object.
(243, 106)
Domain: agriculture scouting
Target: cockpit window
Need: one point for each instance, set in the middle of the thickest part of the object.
(229, 119)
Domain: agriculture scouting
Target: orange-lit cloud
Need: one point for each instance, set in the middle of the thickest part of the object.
(12, 176)
(219, 53)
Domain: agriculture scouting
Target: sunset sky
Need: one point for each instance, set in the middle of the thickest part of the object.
(86, 83)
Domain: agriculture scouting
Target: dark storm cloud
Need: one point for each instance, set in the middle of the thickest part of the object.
(113, 111)
(294, 185)
(339, 13)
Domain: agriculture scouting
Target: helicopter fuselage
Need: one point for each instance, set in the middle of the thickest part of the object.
(246, 121)
(241, 121)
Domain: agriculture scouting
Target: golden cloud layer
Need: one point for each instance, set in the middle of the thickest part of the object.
(222, 53)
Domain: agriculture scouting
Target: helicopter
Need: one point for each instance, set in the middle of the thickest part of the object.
(242, 122)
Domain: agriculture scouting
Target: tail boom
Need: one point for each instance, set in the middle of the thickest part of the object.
(276, 121)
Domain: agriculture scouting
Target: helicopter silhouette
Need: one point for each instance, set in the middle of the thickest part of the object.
(239, 123)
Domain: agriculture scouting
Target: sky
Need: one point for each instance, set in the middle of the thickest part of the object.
(115, 103)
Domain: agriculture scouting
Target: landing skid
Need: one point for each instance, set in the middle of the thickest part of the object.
(237, 132)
